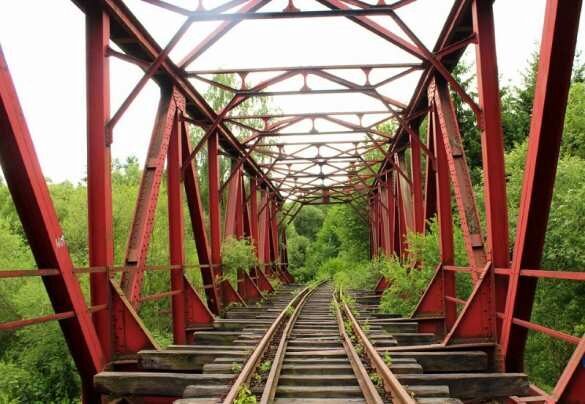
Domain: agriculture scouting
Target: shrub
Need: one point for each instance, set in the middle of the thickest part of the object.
(39, 372)
(245, 396)
(15, 382)
(406, 287)
(237, 254)
(359, 275)
(303, 274)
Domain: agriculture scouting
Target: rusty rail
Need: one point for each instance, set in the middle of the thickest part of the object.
(368, 389)
(391, 384)
(272, 380)
(254, 359)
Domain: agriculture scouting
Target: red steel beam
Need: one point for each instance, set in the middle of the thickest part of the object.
(193, 194)
(233, 213)
(26, 183)
(461, 180)
(145, 211)
(214, 202)
(227, 294)
(492, 136)
(405, 183)
(304, 68)
(433, 301)
(417, 190)
(430, 193)
(99, 187)
(492, 139)
(557, 51)
(176, 232)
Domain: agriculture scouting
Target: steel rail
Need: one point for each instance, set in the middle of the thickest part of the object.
(272, 381)
(368, 389)
(252, 363)
(391, 384)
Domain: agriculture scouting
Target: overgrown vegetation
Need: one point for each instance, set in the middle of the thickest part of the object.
(35, 364)
(236, 255)
(245, 396)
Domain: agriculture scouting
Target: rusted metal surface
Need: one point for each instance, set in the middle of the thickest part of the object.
(370, 393)
(272, 380)
(391, 384)
(254, 360)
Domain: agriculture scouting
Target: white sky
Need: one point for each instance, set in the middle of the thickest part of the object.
(43, 41)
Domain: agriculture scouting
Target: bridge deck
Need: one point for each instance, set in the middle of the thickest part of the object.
(315, 366)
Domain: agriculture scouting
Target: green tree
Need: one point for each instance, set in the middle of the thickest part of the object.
(574, 133)
(309, 221)
(297, 248)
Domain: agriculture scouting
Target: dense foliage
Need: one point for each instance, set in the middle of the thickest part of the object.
(35, 365)
(237, 255)
(342, 239)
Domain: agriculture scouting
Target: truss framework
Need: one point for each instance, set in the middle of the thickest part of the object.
(379, 172)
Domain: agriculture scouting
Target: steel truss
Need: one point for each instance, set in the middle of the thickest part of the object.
(400, 197)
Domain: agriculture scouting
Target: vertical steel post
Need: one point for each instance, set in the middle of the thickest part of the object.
(255, 229)
(176, 232)
(99, 188)
(214, 214)
(193, 194)
(430, 172)
(374, 226)
(417, 196)
(492, 136)
(461, 180)
(557, 51)
(240, 204)
(385, 216)
(492, 139)
(433, 302)
(254, 213)
(391, 196)
(232, 210)
(406, 192)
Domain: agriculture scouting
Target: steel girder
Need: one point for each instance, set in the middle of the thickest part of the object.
(399, 197)
(29, 191)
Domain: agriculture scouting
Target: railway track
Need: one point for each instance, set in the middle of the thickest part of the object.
(324, 356)
(207, 365)
(309, 345)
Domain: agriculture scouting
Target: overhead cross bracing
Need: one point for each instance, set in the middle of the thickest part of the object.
(377, 130)
(299, 150)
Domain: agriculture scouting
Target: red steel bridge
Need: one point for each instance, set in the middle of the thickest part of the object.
(420, 173)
